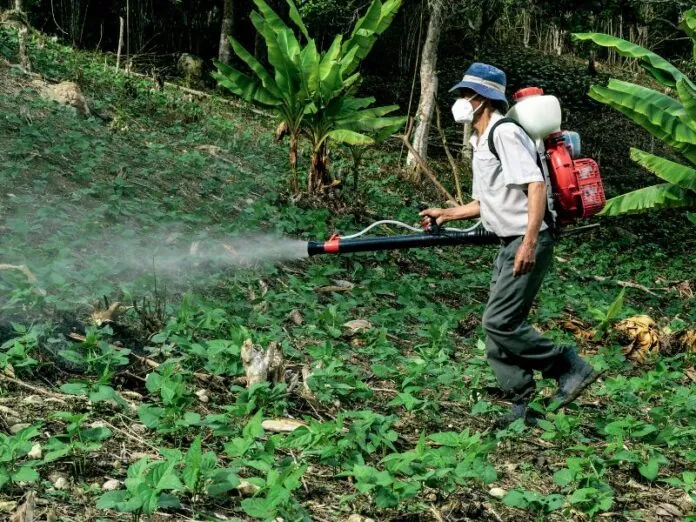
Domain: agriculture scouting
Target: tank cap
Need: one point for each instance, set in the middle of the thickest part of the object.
(527, 91)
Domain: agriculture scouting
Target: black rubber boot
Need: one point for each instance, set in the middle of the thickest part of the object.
(571, 383)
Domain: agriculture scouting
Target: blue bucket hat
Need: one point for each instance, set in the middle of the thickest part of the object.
(486, 80)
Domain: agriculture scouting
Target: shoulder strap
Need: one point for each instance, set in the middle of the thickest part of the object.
(550, 217)
(491, 142)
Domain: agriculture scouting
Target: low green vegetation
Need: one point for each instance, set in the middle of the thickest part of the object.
(147, 410)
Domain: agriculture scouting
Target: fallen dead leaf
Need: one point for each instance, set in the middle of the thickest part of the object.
(358, 325)
(281, 425)
(25, 513)
(247, 489)
(7, 506)
(296, 317)
(667, 511)
(339, 286)
(497, 493)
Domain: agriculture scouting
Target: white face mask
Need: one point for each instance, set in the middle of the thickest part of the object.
(463, 111)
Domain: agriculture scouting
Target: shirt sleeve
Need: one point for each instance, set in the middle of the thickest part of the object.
(518, 156)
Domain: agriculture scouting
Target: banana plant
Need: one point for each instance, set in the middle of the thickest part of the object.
(671, 119)
(312, 92)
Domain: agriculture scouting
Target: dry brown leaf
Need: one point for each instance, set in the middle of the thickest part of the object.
(296, 317)
(578, 328)
(213, 150)
(642, 337)
(281, 425)
(668, 511)
(9, 371)
(687, 340)
(99, 317)
(685, 290)
(261, 365)
(339, 286)
(247, 489)
(7, 506)
(358, 325)
(281, 131)
(25, 513)
(331, 288)
(691, 374)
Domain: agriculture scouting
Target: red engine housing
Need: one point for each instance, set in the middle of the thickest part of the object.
(577, 184)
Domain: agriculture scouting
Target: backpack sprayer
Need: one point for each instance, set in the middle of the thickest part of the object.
(575, 186)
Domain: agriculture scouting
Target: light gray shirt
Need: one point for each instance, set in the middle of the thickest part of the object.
(499, 186)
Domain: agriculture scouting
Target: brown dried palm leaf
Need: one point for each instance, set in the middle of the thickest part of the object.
(687, 341)
(641, 337)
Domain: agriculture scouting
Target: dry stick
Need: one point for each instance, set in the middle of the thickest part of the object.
(436, 514)
(423, 165)
(131, 436)
(453, 164)
(40, 391)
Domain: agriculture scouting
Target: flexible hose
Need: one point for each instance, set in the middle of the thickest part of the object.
(383, 222)
(406, 226)
(472, 227)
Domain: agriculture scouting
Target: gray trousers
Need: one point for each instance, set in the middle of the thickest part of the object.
(513, 348)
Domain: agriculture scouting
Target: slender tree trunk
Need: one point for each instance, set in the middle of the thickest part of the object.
(23, 36)
(226, 30)
(428, 89)
(122, 24)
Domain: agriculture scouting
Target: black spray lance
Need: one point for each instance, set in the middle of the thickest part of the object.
(434, 235)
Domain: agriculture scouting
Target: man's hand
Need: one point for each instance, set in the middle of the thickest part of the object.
(440, 215)
(525, 258)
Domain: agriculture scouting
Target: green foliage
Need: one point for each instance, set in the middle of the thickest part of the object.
(16, 353)
(96, 355)
(583, 477)
(274, 498)
(146, 486)
(14, 467)
(537, 503)
(169, 382)
(670, 119)
(608, 317)
(423, 360)
(78, 441)
(312, 92)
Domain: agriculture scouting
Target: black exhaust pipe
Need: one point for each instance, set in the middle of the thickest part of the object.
(336, 245)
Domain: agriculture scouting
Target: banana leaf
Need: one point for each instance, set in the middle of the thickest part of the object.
(675, 173)
(660, 196)
(661, 69)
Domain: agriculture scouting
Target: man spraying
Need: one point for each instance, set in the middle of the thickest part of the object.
(510, 196)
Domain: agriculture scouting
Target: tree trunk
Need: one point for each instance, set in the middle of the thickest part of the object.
(121, 27)
(227, 22)
(319, 170)
(23, 36)
(293, 162)
(428, 90)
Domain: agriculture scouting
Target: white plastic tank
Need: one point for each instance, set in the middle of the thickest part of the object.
(538, 113)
